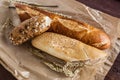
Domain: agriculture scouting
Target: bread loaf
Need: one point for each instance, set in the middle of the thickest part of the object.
(29, 29)
(66, 48)
(69, 27)
(81, 31)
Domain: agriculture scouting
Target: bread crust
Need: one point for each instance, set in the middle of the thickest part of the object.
(81, 31)
(66, 48)
(85, 33)
(29, 29)
(30, 11)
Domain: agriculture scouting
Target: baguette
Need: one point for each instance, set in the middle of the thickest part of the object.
(69, 27)
(81, 31)
(26, 12)
(29, 29)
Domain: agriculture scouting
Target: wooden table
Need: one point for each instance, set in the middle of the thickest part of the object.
(111, 7)
(114, 73)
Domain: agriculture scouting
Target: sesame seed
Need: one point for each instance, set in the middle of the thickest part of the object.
(36, 24)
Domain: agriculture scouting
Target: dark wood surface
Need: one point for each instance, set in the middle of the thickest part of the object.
(114, 73)
(111, 7)
(5, 75)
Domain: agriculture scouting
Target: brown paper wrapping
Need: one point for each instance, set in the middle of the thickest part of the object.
(24, 66)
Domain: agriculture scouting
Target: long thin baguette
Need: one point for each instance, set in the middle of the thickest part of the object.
(69, 27)
(81, 31)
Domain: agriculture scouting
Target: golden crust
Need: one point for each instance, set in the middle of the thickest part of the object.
(69, 27)
(31, 11)
(66, 48)
(81, 31)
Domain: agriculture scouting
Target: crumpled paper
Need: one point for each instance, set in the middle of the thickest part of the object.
(25, 66)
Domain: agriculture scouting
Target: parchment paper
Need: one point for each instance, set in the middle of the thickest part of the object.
(24, 66)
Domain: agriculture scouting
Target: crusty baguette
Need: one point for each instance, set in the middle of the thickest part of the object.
(26, 12)
(69, 27)
(66, 48)
(81, 31)
(29, 29)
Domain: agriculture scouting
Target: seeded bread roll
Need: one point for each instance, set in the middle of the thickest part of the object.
(29, 29)
(66, 48)
(69, 27)
(64, 54)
